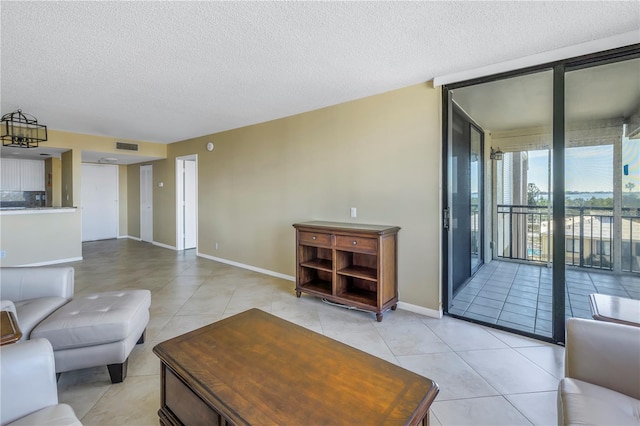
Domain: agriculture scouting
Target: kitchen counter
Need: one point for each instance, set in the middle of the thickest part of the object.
(40, 236)
(35, 210)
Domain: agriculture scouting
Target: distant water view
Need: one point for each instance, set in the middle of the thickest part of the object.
(584, 195)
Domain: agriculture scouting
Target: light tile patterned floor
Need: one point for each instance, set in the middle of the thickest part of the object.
(486, 376)
(518, 296)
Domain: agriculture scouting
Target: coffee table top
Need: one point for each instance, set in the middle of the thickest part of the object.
(615, 309)
(257, 368)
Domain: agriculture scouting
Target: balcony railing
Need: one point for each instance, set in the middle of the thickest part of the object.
(524, 233)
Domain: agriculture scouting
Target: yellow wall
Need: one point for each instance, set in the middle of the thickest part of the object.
(67, 166)
(380, 154)
(53, 181)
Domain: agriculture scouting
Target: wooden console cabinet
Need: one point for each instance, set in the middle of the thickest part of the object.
(348, 263)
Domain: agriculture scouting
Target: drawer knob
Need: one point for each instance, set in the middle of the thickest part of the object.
(314, 238)
(354, 242)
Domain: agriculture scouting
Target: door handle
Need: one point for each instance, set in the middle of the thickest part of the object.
(446, 217)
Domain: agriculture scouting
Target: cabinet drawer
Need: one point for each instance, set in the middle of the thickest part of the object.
(315, 238)
(359, 244)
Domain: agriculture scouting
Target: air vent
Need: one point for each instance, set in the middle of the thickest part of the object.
(127, 146)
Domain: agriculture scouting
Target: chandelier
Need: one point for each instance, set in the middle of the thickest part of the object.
(21, 130)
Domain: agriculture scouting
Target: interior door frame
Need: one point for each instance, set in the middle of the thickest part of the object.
(149, 187)
(180, 193)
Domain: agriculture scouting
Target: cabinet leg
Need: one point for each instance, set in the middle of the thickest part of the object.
(298, 293)
(394, 307)
(379, 317)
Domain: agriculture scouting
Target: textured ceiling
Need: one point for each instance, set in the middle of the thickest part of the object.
(168, 71)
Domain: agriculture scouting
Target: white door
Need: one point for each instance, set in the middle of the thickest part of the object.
(146, 203)
(99, 202)
(186, 202)
(189, 204)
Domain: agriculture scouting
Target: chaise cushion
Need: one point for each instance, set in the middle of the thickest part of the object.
(29, 313)
(581, 403)
(96, 319)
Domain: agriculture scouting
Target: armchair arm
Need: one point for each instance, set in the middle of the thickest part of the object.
(28, 379)
(7, 305)
(22, 283)
(604, 354)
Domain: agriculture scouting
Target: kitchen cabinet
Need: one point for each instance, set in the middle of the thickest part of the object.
(10, 174)
(21, 175)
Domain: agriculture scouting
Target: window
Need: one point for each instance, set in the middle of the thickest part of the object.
(572, 246)
(603, 247)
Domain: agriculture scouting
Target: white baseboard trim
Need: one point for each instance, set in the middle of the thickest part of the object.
(249, 267)
(420, 310)
(129, 237)
(54, 262)
(167, 246)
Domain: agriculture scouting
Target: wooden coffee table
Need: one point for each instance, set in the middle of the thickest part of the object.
(255, 368)
(9, 327)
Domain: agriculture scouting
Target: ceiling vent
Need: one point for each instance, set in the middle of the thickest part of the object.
(127, 146)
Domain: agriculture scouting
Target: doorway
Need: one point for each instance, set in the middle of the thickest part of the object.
(186, 202)
(561, 197)
(99, 202)
(146, 203)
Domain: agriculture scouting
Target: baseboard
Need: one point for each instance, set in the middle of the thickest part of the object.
(249, 267)
(167, 246)
(420, 310)
(130, 237)
(55, 262)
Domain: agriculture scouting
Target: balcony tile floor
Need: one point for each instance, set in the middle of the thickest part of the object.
(518, 295)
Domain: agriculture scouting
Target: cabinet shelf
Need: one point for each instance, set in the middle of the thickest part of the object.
(317, 286)
(362, 296)
(360, 272)
(321, 264)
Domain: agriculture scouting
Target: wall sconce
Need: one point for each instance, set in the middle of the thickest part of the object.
(21, 130)
(496, 154)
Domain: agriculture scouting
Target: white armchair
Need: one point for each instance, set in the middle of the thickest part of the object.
(28, 390)
(33, 293)
(602, 374)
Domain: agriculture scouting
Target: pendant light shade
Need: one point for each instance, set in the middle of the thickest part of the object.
(22, 130)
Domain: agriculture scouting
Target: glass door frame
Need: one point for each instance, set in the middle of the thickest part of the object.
(559, 69)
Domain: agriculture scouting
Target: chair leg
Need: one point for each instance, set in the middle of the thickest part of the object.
(141, 339)
(118, 372)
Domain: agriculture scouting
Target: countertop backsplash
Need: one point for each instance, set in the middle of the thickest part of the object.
(28, 199)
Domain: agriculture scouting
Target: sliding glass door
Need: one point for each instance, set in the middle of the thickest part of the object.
(558, 181)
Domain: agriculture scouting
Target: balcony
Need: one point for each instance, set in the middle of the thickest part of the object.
(515, 290)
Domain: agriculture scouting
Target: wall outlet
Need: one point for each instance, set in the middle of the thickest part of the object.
(3, 254)
(216, 246)
(353, 212)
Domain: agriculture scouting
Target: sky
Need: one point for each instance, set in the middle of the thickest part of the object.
(588, 169)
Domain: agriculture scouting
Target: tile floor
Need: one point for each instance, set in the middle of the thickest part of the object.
(486, 376)
(518, 295)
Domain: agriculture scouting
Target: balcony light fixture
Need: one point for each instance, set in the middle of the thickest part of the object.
(21, 130)
(496, 154)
